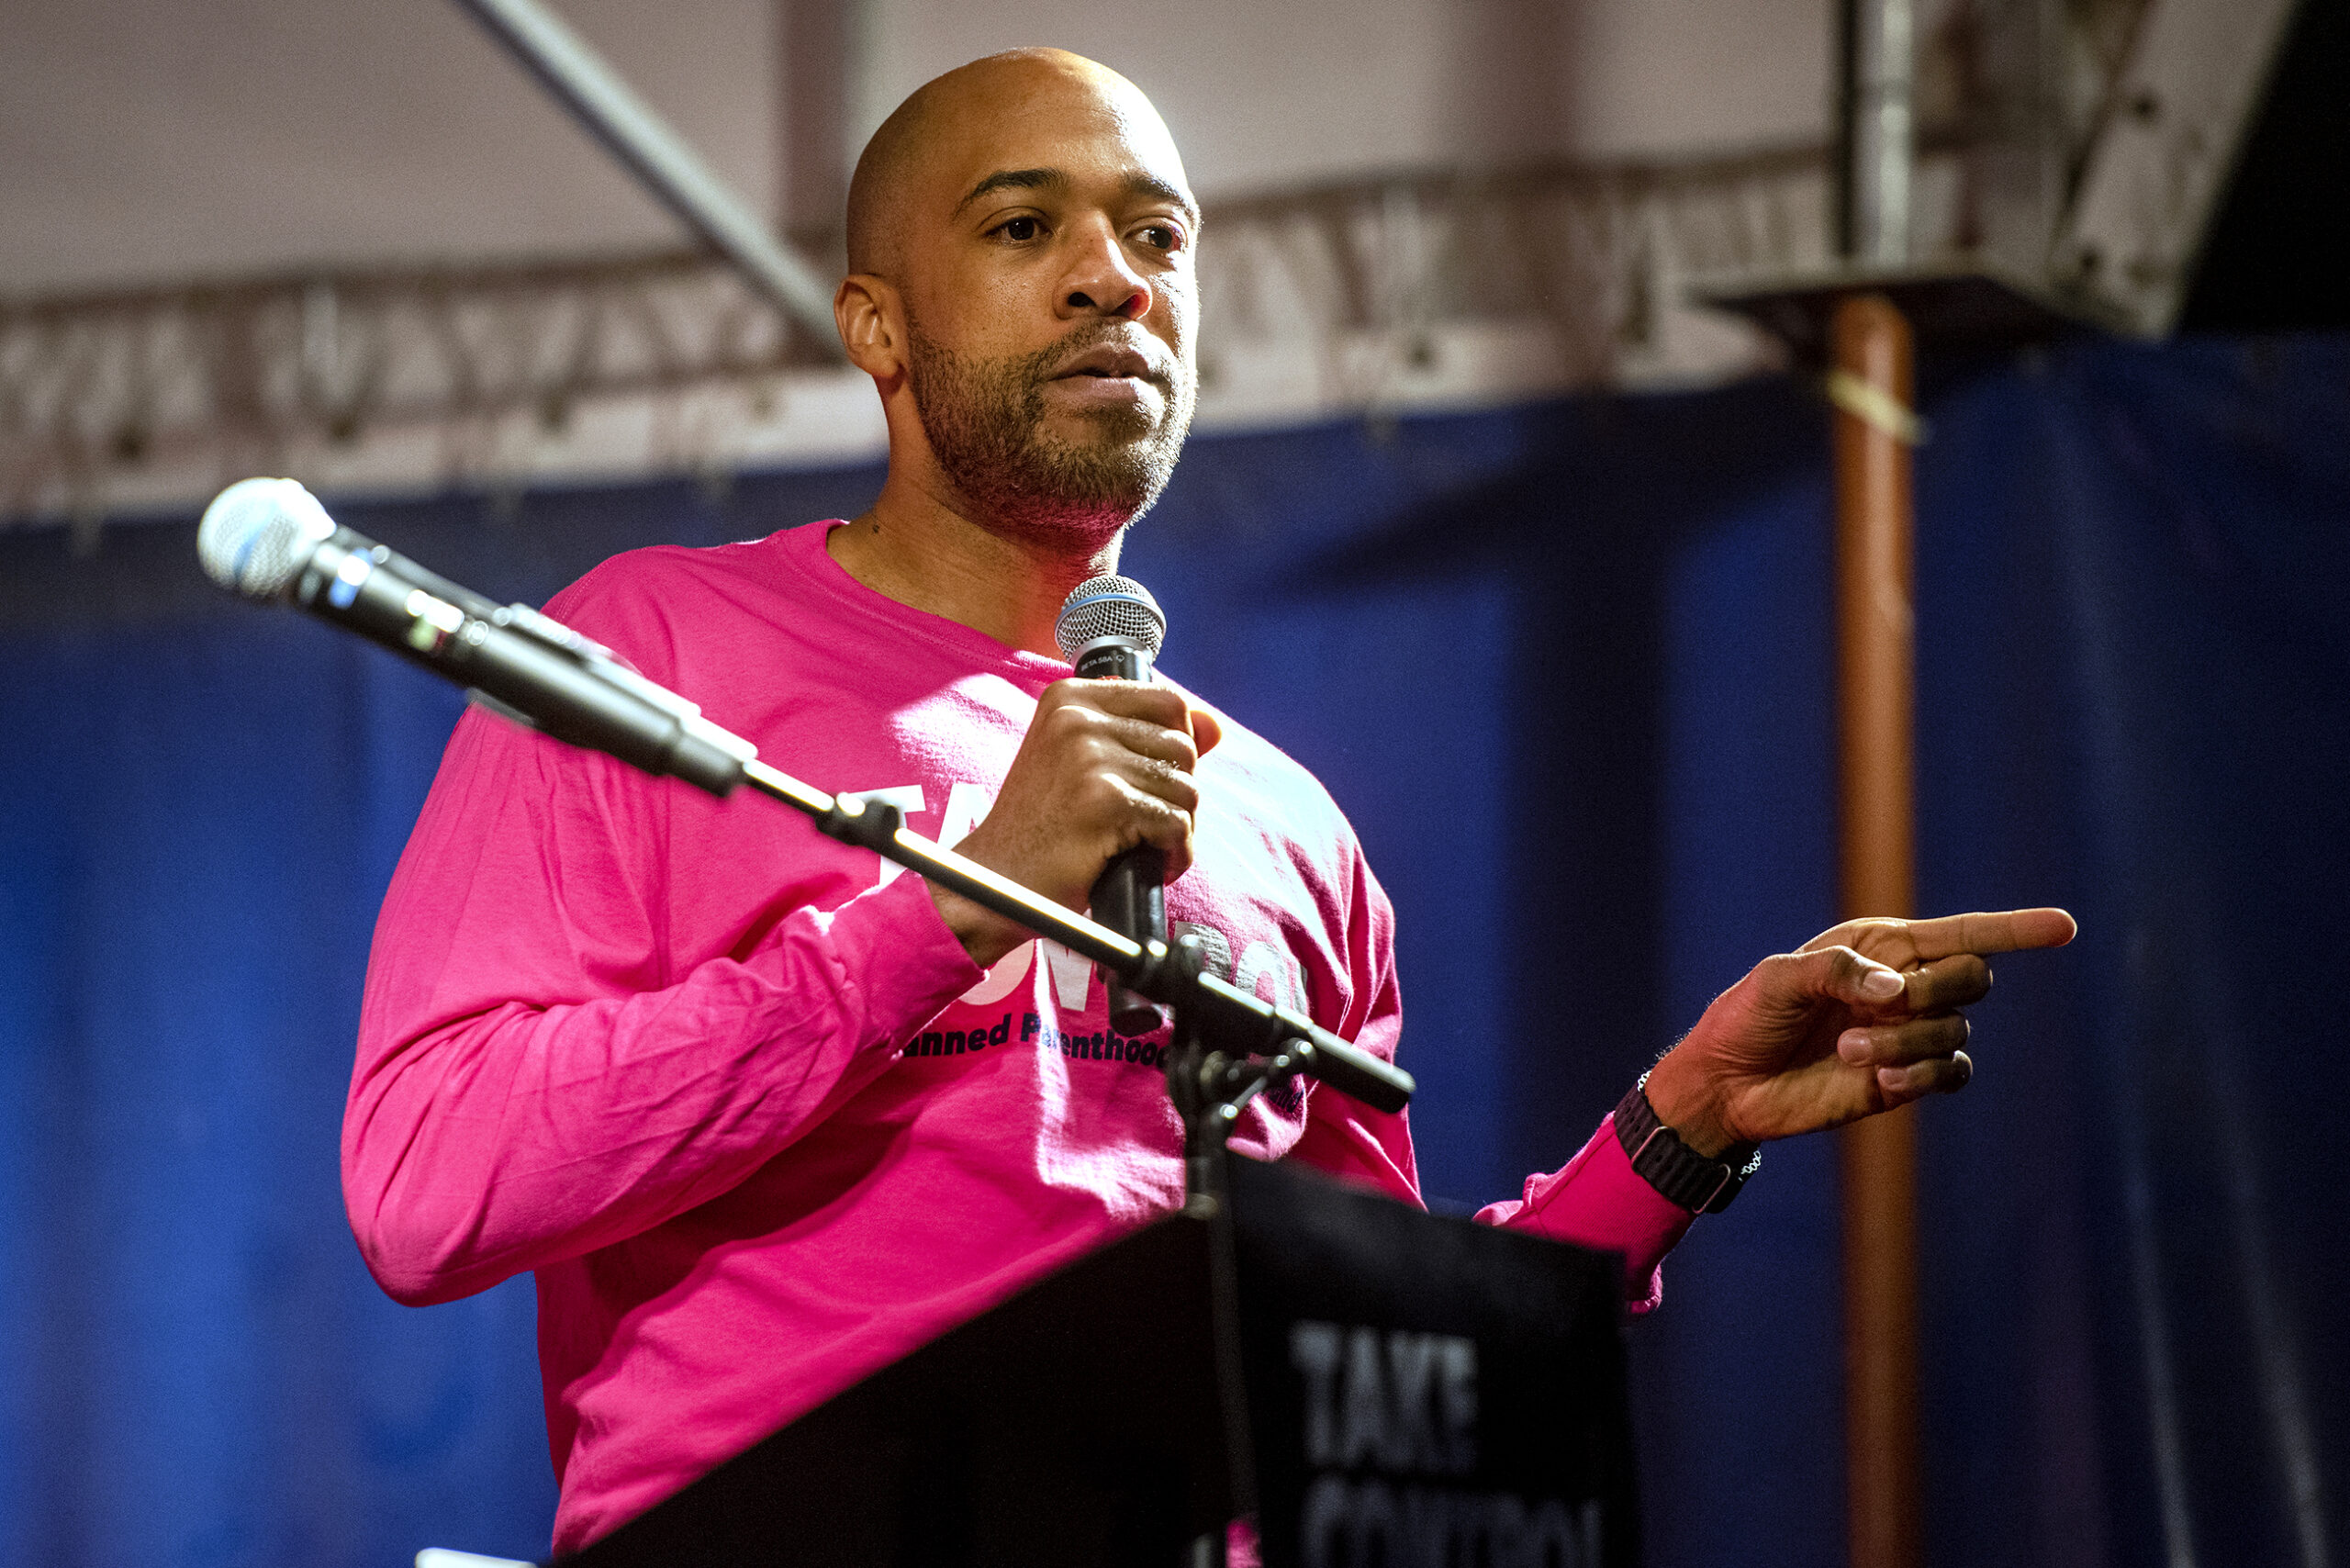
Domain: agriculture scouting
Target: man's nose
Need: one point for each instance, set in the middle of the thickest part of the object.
(1102, 280)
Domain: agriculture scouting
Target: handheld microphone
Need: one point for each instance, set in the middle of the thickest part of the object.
(1111, 629)
(270, 539)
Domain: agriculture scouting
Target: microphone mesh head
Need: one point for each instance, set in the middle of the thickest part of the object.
(1108, 606)
(257, 533)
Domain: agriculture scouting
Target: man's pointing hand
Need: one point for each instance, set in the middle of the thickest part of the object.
(1860, 1019)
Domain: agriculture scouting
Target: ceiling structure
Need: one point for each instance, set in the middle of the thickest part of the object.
(352, 240)
(149, 142)
(152, 141)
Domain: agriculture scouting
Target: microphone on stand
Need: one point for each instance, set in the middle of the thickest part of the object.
(1111, 629)
(270, 539)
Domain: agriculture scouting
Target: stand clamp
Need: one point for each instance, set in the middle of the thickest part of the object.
(1228, 1044)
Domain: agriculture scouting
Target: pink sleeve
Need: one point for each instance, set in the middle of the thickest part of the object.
(1343, 1136)
(532, 1083)
(1595, 1200)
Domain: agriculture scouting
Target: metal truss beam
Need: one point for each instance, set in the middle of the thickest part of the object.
(663, 162)
(1375, 293)
(1367, 295)
(2150, 181)
(210, 380)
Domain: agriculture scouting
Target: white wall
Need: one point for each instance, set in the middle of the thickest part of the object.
(159, 139)
(1266, 93)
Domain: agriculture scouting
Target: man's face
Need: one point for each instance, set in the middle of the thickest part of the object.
(1050, 305)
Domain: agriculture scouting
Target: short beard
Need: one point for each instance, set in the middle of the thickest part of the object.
(985, 420)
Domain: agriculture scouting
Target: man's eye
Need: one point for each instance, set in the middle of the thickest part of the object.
(1163, 237)
(1021, 228)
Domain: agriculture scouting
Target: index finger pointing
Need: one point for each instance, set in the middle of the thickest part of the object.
(2007, 931)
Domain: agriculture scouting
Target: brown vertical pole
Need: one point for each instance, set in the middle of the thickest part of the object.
(1875, 679)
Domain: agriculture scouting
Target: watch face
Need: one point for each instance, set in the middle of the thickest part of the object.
(1679, 1173)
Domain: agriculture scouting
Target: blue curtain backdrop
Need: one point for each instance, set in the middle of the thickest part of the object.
(1566, 665)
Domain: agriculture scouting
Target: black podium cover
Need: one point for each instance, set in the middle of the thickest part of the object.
(1419, 1391)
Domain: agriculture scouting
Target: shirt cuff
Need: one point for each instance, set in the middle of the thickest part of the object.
(1596, 1200)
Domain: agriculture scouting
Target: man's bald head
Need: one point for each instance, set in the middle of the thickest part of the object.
(1022, 291)
(904, 158)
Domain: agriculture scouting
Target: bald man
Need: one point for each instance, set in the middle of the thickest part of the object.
(764, 1115)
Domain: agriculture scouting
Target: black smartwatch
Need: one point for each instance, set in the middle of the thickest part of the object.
(1678, 1173)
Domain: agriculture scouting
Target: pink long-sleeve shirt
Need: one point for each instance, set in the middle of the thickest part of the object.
(736, 1092)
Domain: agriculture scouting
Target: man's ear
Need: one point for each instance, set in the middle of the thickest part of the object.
(871, 319)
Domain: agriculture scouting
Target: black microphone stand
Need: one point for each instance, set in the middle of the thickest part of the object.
(541, 674)
(1209, 1081)
(1227, 1046)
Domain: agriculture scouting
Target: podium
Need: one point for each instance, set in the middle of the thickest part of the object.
(1381, 1388)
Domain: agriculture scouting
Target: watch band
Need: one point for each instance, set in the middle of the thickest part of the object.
(1679, 1173)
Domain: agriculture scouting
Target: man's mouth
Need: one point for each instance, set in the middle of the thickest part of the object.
(1110, 362)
